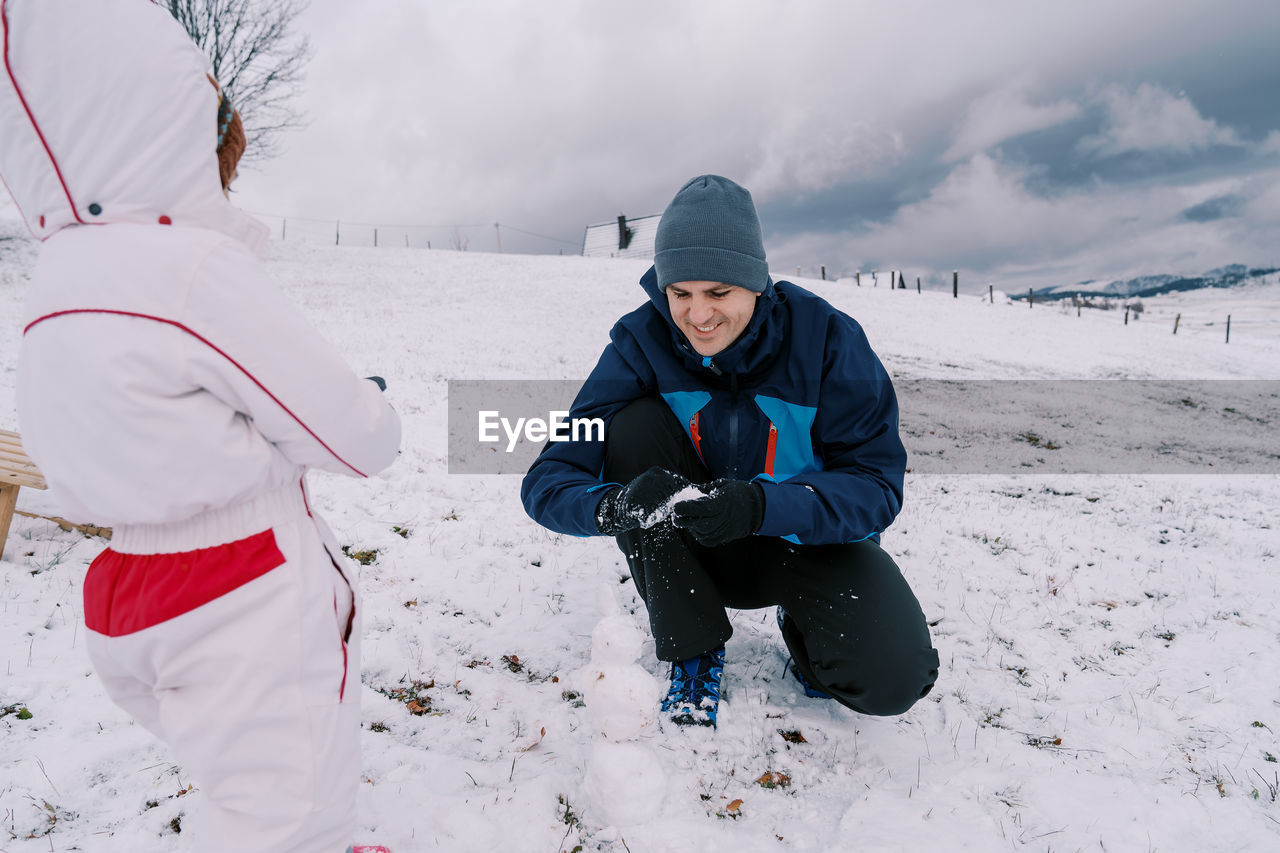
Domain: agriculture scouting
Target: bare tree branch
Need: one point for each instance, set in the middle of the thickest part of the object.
(256, 58)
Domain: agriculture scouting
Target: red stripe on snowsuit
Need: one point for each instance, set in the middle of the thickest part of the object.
(127, 593)
(4, 13)
(211, 346)
(351, 617)
(342, 688)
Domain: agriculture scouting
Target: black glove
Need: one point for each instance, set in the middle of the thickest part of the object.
(379, 381)
(731, 510)
(638, 503)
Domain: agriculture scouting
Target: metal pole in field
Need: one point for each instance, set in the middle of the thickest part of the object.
(1031, 297)
(1175, 323)
(991, 294)
(375, 238)
(857, 278)
(955, 284)
(284, 223)
(1126, 315)
(498, 231)
(1228, 329)
(917, 284)
(337, 232)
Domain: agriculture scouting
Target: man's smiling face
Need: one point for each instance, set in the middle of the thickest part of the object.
(711, 314)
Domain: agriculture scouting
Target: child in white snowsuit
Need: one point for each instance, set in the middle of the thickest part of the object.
(168, 389)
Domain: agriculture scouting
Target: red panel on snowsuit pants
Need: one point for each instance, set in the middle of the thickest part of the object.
(126, 593)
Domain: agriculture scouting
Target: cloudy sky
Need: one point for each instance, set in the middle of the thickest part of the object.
(1023, 143)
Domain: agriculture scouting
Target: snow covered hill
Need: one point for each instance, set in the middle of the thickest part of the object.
(1109, 644)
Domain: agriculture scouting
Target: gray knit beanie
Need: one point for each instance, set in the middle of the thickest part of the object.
(710, 232)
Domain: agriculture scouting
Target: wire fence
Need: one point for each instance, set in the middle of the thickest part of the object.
(1248, 318)
(460, 237)
(488, 237)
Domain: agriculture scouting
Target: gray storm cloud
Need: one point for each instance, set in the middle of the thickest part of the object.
(1006, 138)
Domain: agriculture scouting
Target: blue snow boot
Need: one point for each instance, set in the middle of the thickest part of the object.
(809, 690)
(694, 696)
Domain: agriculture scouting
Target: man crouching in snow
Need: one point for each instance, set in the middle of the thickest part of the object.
(751, 459)
(167, 388)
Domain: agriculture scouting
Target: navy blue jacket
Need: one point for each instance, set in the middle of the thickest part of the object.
(799, 403)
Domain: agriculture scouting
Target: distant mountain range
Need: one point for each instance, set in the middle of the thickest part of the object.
(1233, 275)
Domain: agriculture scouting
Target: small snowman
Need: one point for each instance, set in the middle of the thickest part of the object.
(624, 784)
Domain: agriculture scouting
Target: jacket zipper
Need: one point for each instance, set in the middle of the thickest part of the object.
(696, 435)
(770, 449)
(733, 422)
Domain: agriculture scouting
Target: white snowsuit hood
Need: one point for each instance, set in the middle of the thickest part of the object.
(110, 120)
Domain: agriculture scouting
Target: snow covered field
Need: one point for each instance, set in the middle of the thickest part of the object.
(1110, 649)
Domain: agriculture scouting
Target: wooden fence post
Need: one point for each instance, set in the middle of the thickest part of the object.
(955, 284)
(991, 294)
(857, 278)
(1031, 297)
(824, 272)
(1175, 323)
(1228, 328)
(917, 284)
(375, 238)
(1126, 315)
(337, 232)
(284, 223)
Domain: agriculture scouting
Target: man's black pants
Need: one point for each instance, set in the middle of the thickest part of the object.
(853, 625)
